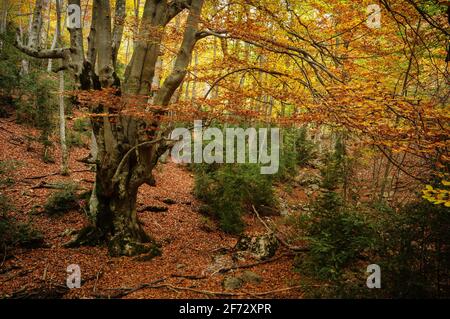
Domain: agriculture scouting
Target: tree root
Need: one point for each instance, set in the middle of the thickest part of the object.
(119, 245)
(87, 236)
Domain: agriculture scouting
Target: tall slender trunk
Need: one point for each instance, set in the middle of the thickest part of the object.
(195, 74)
(3, 15)
(62, 127)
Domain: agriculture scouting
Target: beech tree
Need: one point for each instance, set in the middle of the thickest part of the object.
(128, 146)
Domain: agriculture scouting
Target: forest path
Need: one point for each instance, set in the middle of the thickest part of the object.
(191, 253)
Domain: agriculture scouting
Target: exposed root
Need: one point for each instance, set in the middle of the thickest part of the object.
(88, 236)
(119, 245)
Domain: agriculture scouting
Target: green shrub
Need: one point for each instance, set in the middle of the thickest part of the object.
(20, 234)
(10, 59)
(296, 150)
(338, 237)
(229, 190)
(9, 165)
(75, 139)
(81, 125)
(411, 245)
(334, 170)
(31, 94)
(415, 251)
(62, 200)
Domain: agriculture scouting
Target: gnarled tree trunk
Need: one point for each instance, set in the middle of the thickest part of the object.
(128, 147)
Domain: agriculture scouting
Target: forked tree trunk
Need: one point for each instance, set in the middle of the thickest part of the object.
(128, 147)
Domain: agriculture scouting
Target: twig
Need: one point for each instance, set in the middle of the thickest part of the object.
(127, 291)
(87, 181)
(99, 274)
(44, 276)
(222, 270)
(42, 176)
(19, 274)
(192, 277)
(43, 184)
(4, 257)
(277, 236)
(57, 173)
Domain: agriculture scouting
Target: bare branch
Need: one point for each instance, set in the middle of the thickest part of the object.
(59, 53)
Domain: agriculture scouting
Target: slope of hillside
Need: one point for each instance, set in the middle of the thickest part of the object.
(193, 256)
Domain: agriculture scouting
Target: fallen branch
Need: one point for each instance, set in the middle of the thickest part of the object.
(277, 236)
(127, 291)
(205, 292)
(87, 181)
(43, 184)
(19, 274)
(57, 173)
(42, 176)
(191, 277)
(223, 270)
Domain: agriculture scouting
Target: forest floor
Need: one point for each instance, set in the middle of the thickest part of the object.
(192, 255)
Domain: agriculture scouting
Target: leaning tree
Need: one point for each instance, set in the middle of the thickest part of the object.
(128, 146)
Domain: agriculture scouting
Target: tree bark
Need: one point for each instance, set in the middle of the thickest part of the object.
(62, 127)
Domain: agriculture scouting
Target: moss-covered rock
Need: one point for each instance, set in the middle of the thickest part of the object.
(260, 247)
(232, 283)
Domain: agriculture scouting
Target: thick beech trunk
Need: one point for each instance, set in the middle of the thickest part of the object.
(113, 213)
(128, 147)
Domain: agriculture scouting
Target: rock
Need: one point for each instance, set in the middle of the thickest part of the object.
(67, 232)
(153, 209)
(284, 208)
(232, 283)
(169, 201)
(220, 262)
(251, 277)
(308, 177)
(314, 187)
(260, 247)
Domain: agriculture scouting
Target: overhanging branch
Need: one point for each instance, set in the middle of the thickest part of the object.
(59, 53)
